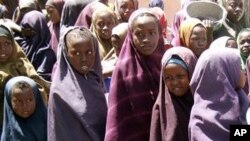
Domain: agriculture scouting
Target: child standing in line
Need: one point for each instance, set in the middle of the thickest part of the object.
(217, 86)
(77, 107)
(171, 112)
(25, 115)
(135, 80)
(124, 9)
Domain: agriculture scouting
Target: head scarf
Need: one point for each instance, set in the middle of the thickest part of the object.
(11, 6)
(171, 113)
(156, 3)
(109, 61)
(71, 11)
(117, 8)
(159, 13)
(214, 84)
(27, 4)
(55, 28)
(83, 100)
(104, 45)
(31, 128)
(57, 4)
(220, 42)
(120, 30)
(37, 47)
(186, 30)
(134, 88)
(18, 64)
(84, 18)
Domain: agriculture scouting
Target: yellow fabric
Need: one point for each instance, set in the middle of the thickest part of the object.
(104, 45)
(186, 29)
(19, 65)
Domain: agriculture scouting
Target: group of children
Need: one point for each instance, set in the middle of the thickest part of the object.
(56, 72)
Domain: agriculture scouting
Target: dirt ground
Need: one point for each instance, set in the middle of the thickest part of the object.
(170, 8)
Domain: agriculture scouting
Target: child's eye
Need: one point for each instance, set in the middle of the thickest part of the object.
(89, 52)
(77, 53)
(152, 33)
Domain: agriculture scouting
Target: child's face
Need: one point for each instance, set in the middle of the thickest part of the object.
(6, 49)
(53, 14)
(81, 54)
(176, 79)
(23, 102)
(231, 43)
(126, 9)
(116, 43)
(234, 9)
(104, 25)
(198, 40)
(145, 34)
(244, 43)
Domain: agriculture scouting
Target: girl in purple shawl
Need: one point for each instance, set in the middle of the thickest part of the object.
(135, 80)
(77, 107)
(36, 45)
(171, 112)
(54, 10)
(219, 100)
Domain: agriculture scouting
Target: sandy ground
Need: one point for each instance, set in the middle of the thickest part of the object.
(170, 8)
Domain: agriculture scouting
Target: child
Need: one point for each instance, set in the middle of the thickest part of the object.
(119, 33)
(25, 115)
(231, 27)
(54, 10)
(243, 42)
(15, 63)
(193, 35)
(85, 16)
(77, 100)
(224, 41)
(103, 21)
(135, 80)
(124, 8)
(219, 100)
(173, 106)
(36, 46)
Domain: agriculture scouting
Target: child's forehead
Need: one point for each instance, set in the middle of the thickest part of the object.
(22, 92)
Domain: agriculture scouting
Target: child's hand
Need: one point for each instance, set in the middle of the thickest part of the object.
(209, 24)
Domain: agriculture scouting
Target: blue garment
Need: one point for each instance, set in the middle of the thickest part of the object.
(32, 128)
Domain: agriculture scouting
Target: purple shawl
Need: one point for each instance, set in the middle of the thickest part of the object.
(85, 17)
(178, 19)
(217, 102)
(170, 116)
(134, 88)
(77, 107)
(37, 47)
(55, 28)
(71, 10)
